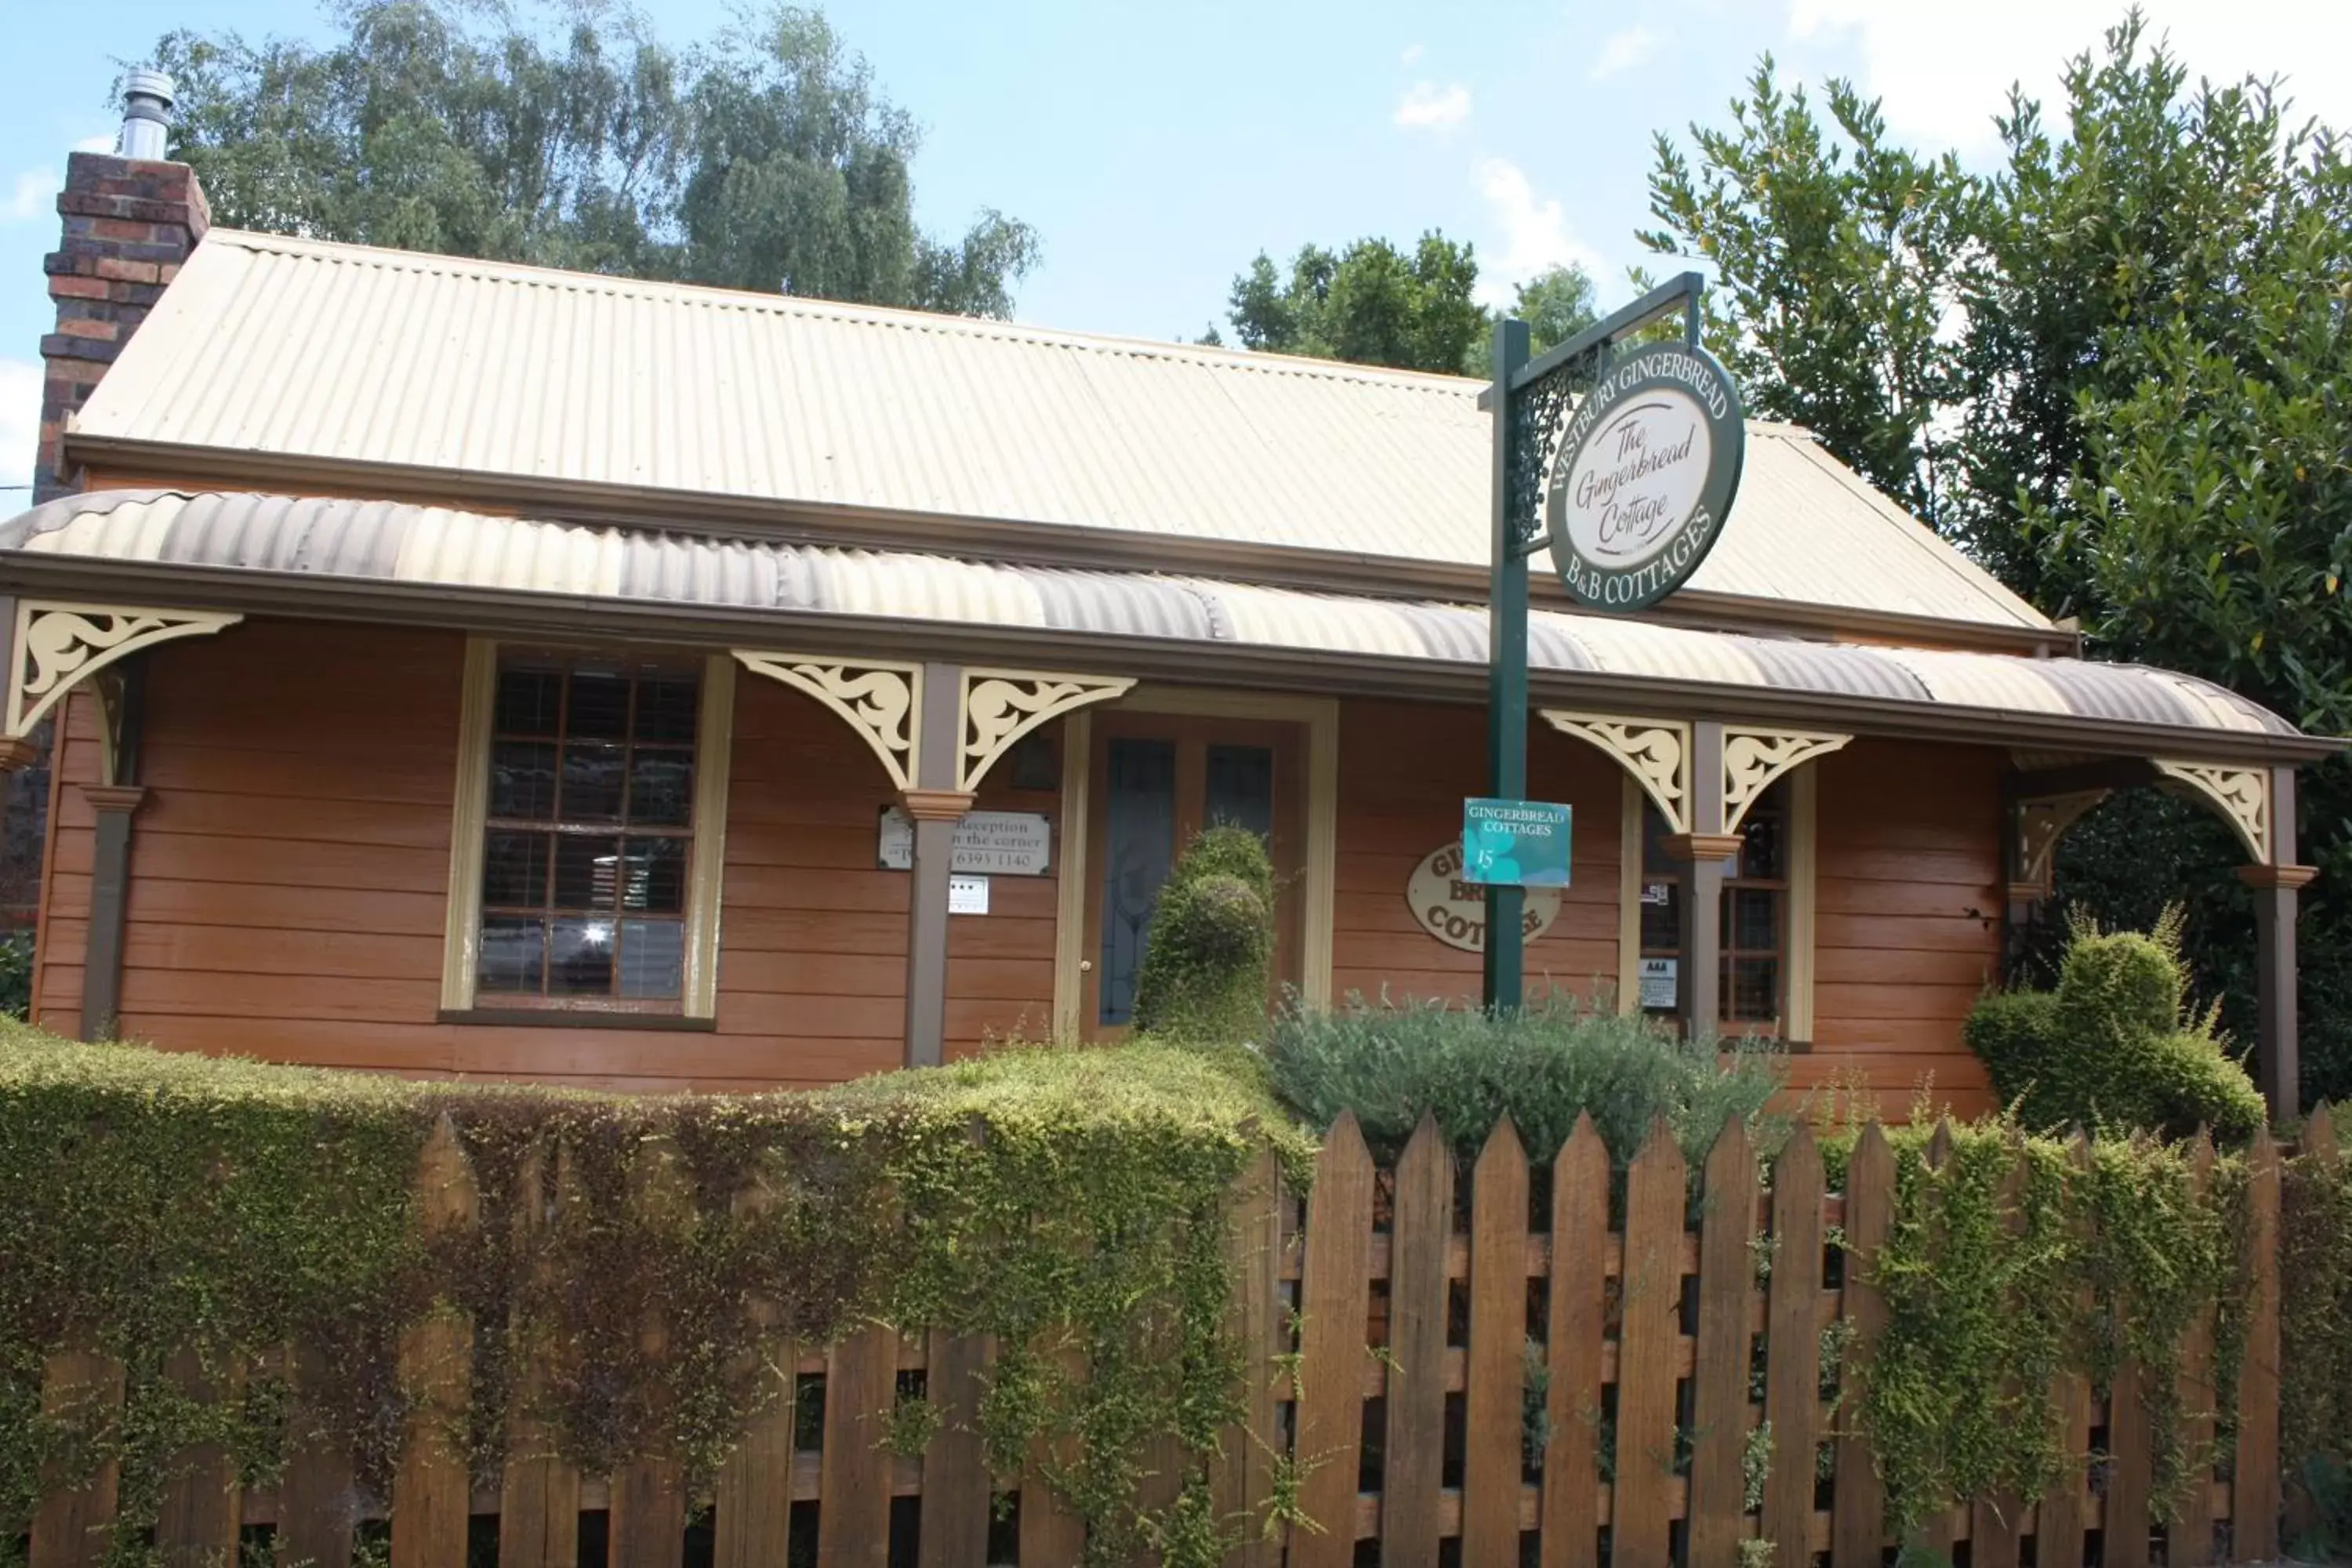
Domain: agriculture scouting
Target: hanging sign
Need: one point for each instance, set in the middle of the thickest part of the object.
(1515, 843)
(1454, 910)
(1645, 475)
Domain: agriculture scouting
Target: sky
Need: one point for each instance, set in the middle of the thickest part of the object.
(1159, 148)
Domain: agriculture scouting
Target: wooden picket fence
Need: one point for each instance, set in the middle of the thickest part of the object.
(1392, 1356)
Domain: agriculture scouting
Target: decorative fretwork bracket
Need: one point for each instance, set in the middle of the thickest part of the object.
(2241, 794)
(1754, 759)
(1656, 752)
(59, 645)
(879, 698)
(1000, 706)
(2040, 824)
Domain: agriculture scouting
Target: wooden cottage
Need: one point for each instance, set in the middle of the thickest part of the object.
(469, 669)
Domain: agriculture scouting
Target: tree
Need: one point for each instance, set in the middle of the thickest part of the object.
(1838, 260)
(763, 159)
(2119, 371)
(1373, 305)
(1555, 304)
(2159, 212)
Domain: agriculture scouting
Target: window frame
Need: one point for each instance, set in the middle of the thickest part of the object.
(461, 1001)
(1728, 951)
(1796, 1030)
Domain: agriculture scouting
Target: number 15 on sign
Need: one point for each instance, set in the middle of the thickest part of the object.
(1515, 843)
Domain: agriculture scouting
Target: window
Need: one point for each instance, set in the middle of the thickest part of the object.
(590, 836)
(1755, 919)
(1754, 916)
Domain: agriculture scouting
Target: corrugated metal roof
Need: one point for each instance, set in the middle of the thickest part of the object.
(389, 542)
(344, 353)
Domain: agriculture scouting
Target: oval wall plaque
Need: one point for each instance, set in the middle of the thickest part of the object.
(1454, 912)
(1645, 475)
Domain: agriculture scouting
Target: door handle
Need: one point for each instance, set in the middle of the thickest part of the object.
(1086, 966)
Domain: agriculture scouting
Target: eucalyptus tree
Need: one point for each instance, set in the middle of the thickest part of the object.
(764, 157)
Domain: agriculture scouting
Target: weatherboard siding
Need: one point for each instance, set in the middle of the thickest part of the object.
(1907, 907)
(1404, 769)
(1908, 921)
(290, 871)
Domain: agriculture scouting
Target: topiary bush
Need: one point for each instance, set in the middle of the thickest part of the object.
(2113, 1045)
(1208, 962)
(1554, 1059)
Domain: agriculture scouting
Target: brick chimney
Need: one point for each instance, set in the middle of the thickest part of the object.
(128, 224)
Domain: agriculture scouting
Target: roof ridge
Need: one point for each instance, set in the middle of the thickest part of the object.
(715, 296)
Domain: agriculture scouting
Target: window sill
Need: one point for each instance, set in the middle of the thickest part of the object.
(568, 1018)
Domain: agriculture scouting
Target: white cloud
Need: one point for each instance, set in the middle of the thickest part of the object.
(1428, 107)
(1624, 51)
(20, 426)
(106, 144)
(1535, 234)
(1944, 67)
(1413, 53)
(35, 190)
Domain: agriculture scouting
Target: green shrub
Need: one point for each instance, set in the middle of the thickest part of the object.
(150, 1201)
(16, 974)
(2192, 1084)
(1208, 964)
(2011, 1031)
(2316, 1338)
(1544, 1064)
(2010, 1257)
(2110, 1046)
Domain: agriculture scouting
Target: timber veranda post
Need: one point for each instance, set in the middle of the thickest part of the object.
(1506, 678)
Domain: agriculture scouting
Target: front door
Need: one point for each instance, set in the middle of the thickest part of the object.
(1157, 779)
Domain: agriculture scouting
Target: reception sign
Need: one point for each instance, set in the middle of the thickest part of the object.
(1647, 469)
(987, 844)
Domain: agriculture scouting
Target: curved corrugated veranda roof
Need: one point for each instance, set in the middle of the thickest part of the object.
(334, 541)
(454, 372)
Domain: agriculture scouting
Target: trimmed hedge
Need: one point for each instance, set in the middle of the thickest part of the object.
(1208, 962)
(2113, 1046)
(150, 1201)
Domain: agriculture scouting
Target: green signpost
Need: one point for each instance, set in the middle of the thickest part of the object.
(1631, 459)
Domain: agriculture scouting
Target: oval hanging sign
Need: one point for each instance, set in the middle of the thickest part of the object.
(1645, 476)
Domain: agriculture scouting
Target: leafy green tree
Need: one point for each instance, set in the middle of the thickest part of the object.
(1373, 305)
(1838, 256)
(2148, 214)
(2115, 370)
(2204, 516)
(1555, 303)
(761, 159)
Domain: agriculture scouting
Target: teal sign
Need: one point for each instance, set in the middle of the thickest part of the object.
(1515, 843)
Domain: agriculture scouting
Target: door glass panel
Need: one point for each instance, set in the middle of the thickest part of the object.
(1140, 843)
(1241, 788)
